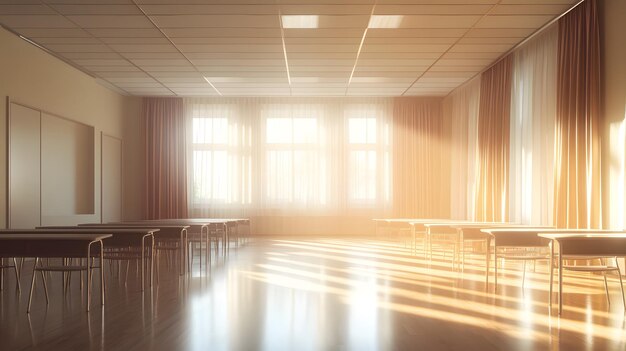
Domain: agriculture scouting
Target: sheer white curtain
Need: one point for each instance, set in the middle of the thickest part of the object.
(288, 156)
(461, 108)
(533, 112)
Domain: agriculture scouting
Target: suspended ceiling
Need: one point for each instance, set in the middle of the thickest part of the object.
(251, 48)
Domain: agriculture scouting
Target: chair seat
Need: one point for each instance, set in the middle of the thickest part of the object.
(590, 268)
(62, 268)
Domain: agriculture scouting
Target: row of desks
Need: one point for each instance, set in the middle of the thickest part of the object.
(100, 241)
(571, 243)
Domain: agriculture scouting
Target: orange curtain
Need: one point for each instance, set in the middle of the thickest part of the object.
(421, 179)
(577, 196)
(493, 142)
(166, 184)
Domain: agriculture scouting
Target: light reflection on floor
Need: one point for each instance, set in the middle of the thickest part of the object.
(328, 294)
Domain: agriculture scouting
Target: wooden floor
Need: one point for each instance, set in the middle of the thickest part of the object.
(322, 294)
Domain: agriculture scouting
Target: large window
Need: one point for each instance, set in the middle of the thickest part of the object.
(210, 158)
(289, 157)
(295, 158)
(368, 157)
(220, 158)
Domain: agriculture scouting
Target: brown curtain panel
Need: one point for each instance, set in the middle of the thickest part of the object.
(421, 176)
(166, 173)
(577, 191)
(493, 142)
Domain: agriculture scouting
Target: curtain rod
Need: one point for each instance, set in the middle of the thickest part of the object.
(518, 45)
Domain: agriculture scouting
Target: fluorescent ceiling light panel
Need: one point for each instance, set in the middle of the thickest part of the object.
(386, 21)
(300, 21)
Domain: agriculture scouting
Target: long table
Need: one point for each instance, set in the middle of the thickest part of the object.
(166, 232)
(526, 238)
(205, 224)
(460, 231)
(416, 225)
(121, 237)
(573, 244)
(33, 243)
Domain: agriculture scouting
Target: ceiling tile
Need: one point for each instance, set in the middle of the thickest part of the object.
(437, 21)
(125, 32)
(238, 44)
(26, 9)
(110, 21)
(217, 21)
(513, 21)
(35, 21)
(203, 9)
(97, 9)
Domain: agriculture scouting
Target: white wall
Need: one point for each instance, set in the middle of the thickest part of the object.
(30, 76)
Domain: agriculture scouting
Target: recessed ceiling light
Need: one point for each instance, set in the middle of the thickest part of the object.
(300, 21)
(385, 21)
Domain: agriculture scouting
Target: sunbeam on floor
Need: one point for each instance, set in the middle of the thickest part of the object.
(325, 294)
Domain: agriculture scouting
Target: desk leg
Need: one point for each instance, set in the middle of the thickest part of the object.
(102, 272)
(462, 248)
(551, 275)
(143, 261)
(183, 252)
(89, 275)
(560, 281)
(621, 285)
(32, 285)
(152, 260)
(414, 248)
(1, 274)
(226, 244)
(207, 254)
(487, 261)
(495, 267)
(208, 248)
(430, 244)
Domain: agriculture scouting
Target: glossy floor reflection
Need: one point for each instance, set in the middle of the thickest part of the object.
(322, 294)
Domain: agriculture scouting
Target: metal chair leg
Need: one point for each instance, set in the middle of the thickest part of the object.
(45, 287)
(621, 285)
(524, 275)
(495, 271)
(606, 290)
(32, 285)
(17, 275)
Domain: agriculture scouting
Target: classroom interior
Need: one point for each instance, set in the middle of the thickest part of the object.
(312, 174)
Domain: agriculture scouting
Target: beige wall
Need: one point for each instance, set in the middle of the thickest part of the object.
(613, 48)
(30, 76)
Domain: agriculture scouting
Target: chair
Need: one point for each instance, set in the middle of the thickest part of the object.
(15, 266)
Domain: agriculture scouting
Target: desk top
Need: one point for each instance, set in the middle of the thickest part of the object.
(131, 225)
(185, 221)
(539, 229)
(36, 236)
(86, 230)
(575, 235)
(414, 220)
(462, 224)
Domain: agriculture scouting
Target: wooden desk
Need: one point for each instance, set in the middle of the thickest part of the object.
(574, 243)
(121, 237)
(32, 243)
